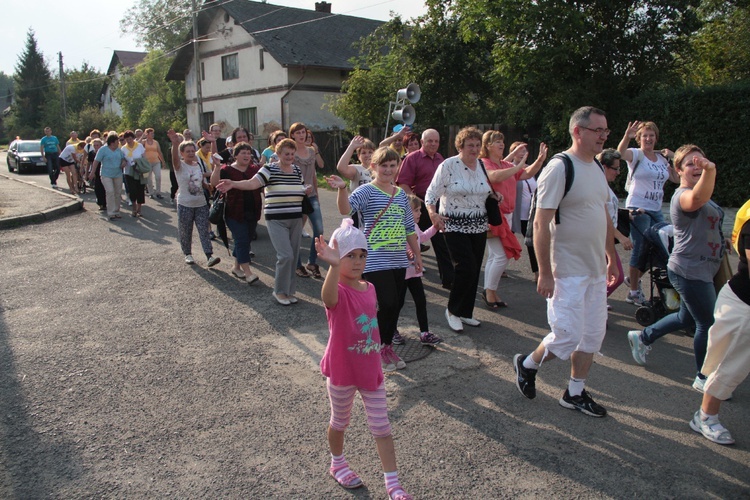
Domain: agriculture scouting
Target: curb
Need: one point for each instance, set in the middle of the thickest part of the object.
(74, 205)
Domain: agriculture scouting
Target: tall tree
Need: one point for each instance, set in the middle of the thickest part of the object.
(32, 85)
(83, 87)
(148, 100)
(159, 24)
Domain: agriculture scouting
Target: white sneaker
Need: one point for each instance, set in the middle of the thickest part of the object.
(637, 347)
(189, 260)
(305, 234)
(454, 322)
(699, 383)
(635, 298)
(711, 429)
(470, 321)
(213, 260)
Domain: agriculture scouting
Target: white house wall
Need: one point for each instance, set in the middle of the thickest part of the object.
(256, 88)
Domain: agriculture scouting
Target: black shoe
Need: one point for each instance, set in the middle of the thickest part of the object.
(424, 248)
(525, 378)
(582, 403)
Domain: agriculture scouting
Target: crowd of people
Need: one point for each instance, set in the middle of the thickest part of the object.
(402, 197)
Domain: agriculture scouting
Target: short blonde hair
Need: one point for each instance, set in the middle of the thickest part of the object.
(646, 126)
(487, 139)
(683, 152)
(467, 133)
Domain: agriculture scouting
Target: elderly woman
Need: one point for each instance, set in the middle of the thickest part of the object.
(284, 190)
(610, 160)
(243, 208)
(112, 160)
(411, 142)
(648, 170)
(461, 186)
(388, 224)
(698, 249)
(192, 207)
(503, 174)
(135, 188)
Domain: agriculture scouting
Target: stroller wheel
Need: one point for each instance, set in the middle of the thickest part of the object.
(645, 316)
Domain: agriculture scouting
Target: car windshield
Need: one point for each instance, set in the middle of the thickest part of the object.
(28, 147)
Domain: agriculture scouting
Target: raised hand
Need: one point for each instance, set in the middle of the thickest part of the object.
(632, 129)
(326, 253)
(543, 150)
(173, 137)
(335, 181)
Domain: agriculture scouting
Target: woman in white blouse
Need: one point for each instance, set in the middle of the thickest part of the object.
(461, 186)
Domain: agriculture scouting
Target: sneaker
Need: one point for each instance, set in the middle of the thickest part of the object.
(385, 359)
(582, 403)
(189, 260)
(470, 321)
(640, 283)
(711, 429)
(429, 338)
(398, 339)
(305, 234)
(698, 384)
(525, 377)
(54, 186)
(213, 260)
(637, 298)
(395, 359)
(454, 322)
(637, 347)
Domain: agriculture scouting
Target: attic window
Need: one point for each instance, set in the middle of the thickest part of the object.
(229, 67)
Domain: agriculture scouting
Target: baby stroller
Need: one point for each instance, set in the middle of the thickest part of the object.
(664, 299)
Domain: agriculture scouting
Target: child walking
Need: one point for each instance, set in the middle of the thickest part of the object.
(414, 282)
(352, 358)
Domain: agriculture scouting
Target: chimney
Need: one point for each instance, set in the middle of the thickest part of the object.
(323, 7)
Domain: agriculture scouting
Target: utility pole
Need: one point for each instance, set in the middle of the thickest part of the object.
(62, 88)
(196, 66)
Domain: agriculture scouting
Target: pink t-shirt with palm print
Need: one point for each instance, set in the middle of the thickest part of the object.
(352, 356)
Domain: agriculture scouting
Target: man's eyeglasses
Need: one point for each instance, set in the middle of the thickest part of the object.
(598, 131)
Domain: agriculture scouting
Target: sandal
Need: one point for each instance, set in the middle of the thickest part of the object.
(302, 272)
(238, 274)
(346, 477)
(398, 493)
(314, 269)
(491, 305)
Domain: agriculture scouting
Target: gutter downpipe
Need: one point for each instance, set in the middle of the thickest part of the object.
(283, 115)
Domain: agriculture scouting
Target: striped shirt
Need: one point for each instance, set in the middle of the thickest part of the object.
(283, 192)
(386, 242)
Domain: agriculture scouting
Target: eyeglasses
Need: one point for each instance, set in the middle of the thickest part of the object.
(597, 131)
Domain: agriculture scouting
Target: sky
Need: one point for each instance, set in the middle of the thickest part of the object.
(91, 36)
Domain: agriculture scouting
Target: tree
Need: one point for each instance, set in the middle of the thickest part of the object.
(83, 88)
(160, 24)
(32, 85)
(721, 48)
(148, 100)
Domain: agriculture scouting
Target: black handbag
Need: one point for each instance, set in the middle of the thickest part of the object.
(218, 206)
(491, 204)
(307, 206)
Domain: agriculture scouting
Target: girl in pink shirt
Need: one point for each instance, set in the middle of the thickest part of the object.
(352, 358)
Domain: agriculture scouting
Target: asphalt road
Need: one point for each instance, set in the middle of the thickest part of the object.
(126, 373)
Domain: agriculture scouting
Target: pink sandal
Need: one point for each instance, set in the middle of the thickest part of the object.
(346, 477)
(398, 493)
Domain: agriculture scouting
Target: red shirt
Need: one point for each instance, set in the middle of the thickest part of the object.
(417, 171)
(507, 188)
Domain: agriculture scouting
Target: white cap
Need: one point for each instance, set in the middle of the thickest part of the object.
(348, 237)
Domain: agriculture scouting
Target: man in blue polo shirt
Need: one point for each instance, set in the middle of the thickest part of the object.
(50, 149)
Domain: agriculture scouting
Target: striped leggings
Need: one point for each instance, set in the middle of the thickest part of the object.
(342, 399)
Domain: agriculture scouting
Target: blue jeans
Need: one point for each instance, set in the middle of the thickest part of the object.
(642, 222)
(697, 301)
(316, 219)
(53, 166)
(242, 233)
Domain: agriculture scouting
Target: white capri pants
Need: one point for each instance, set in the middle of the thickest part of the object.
(577, 315)
(497, 261)
(727, 361)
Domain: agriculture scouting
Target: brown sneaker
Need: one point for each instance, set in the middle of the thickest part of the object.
(314, 270)
(302, 272)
